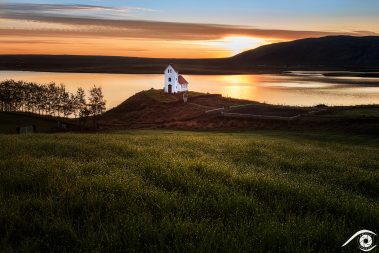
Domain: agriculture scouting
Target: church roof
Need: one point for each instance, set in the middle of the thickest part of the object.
(182, 80)
(174, 67)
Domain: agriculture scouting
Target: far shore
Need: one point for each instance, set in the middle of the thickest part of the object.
(135, 65)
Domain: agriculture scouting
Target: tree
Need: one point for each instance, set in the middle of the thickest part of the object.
(2, 97)
(7, 94)
(52, 98)
(65, 102)
(96, 101)
(31, 96)
(80, 103)
(42, 98)
(49, 99)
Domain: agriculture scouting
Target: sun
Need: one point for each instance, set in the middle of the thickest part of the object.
(232, 44)
(238, 44)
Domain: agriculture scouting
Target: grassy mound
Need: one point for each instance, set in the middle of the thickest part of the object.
(168, 191)
(162, 97)
(159, 96)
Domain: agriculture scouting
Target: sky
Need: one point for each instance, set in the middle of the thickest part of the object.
(175, 29)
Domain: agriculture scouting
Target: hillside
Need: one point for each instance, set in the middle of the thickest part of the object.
(331, 51)
(156, 109)
(326, 53)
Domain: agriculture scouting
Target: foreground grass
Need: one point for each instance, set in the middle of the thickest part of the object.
(186, 192)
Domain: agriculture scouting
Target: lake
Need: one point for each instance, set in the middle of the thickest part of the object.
(295, 88)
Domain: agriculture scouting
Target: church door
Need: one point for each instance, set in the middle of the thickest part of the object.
(169, 88)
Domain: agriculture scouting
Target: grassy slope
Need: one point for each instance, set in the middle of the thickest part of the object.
(183, 191)
(160, 96)
(9, 122)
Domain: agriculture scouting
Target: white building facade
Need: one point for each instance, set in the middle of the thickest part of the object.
(174, 83)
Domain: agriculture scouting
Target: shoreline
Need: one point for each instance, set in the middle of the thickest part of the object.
(330, 73)
(135, 65)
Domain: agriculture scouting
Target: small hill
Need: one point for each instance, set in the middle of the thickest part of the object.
(331, 51)
(154, 108)
(149, 108)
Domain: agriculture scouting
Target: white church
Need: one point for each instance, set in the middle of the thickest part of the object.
(174, 83)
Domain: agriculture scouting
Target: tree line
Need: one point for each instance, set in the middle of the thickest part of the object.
(50, 99)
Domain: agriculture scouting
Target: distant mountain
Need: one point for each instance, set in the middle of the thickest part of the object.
(326, 53)
(330, 51)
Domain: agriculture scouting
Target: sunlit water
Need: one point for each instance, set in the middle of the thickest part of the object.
(299, 88)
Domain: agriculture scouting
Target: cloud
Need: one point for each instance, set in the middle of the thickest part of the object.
(28, 42)
(49, 7)
(368, 33)
(75, 10)
(107, 23)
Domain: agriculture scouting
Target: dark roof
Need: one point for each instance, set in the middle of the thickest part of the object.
(174, 67)
(182, 80)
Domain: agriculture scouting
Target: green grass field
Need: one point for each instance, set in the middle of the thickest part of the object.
(168, 191)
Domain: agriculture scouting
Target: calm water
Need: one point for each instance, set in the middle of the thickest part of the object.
(299, 88)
